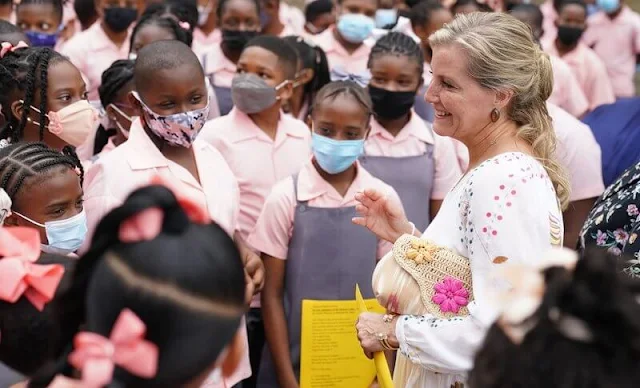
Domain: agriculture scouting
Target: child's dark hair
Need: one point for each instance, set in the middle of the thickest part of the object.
(314, 9)
(186, 285)
(312, 57)
(286, 53)
(335, 89)
(21, 161)
(86, 11)
(420, 13)
(22, 73)
(184, 35)
(398, 44)
(7, 28)
(119, 74)
(531, 9)
(29, 335)
(182, 11)
(579, 3)
(56, 4)
(596, 298)
(223, 3)
(481, 6)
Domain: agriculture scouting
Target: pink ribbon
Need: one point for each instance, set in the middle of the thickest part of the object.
(96, 356)
(19, 275)
(7, 47)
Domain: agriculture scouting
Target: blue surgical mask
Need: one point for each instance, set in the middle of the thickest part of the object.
(42, 39)
(608, 6)
(355, 27)
(386, 17)
(335, 156)
(64, 236)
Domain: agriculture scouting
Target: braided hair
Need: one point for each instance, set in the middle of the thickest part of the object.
(314, 58)
(180, 10)
(23, 73)
(333, 90)
(21, 161)
(398, 44)
(183, 35)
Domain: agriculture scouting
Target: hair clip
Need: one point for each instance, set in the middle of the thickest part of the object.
(185, 25)
(7, 47)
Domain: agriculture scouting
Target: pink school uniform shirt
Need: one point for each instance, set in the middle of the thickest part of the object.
(275, 225)
(203, 42)
(92, 52)
(589, 71)
(617, 42)
(257, 161)
(292, 17)
(133, 164)
(549, 16)
(567, 92)
(412, 140)
(220, 67)
(337, 55)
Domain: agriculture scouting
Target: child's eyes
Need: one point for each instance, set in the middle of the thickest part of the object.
(196, 99)
(64, 97)
(45, 26)
(80, 204)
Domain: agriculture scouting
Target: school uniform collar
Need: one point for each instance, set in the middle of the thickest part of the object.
(144, 153)
(246, 129)
(311, 185)
(101, 41)
(416, 127)
(216, 61)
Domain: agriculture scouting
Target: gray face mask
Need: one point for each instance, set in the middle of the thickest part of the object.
(251, 94)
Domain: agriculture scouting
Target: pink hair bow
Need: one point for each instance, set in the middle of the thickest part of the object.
(7, 47)
(185, 25)
(19, 275)
(96, 356)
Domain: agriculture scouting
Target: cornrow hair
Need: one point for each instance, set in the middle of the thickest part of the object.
(398, 44)
(21, 161)
(119, 74)
(333, 90)
(22, 73)
(180, 10)
(165, 22)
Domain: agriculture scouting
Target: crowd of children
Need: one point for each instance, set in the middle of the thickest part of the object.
(176, 176)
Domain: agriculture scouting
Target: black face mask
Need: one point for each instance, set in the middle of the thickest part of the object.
(235, 40)
(569, 36)
(120, 18)
(391, 105)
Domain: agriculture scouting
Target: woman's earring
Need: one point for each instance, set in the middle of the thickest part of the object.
(495, 115)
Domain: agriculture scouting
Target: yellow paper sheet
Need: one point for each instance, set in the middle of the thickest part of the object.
(331, 356)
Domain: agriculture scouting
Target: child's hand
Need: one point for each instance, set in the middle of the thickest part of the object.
(255, 269)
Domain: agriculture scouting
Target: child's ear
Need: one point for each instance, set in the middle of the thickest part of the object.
(286, 91)
(17, 110)
(305, 76)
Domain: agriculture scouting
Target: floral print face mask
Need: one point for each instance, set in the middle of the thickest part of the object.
(179, 129)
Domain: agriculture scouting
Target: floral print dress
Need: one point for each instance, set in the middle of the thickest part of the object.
(614, 221)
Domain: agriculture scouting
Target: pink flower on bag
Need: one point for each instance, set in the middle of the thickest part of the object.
(55, 125)
(450, 295)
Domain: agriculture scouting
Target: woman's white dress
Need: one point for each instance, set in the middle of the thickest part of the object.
(503, 211)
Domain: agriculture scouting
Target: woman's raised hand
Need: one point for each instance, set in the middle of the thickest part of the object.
(383, 215)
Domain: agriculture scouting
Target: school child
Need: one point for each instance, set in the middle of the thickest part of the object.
(319, 15)
(31, 280)
(401, 148)
(206, 33)
(305, 229)
(86, 13)
(239, 22)
(271, 21)
(344, 44)
(165, 278)
(11, 33)
(312, 75)
(185, 13)
(43, 98)
(571, 324)
(152, 28)
(172, 100)
(117, 84)
(41, 21)
(614, 35)
(469, 6)
(587, 67)
(45, 188)
(106, 41)
(567, 92)
(6, 10)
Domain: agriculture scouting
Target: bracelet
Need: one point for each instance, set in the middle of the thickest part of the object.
(384, 341)
(413, 228)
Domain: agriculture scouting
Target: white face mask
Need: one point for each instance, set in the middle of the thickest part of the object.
(125, 132)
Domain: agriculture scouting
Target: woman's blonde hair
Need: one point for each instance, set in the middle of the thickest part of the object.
(502, 55)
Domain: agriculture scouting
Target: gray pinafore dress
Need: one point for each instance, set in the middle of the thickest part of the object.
(327, 256)
(411, 177)
(223, 95)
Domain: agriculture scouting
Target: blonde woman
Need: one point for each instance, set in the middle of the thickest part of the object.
(490, 84)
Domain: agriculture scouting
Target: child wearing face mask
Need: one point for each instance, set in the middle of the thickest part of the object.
(117, 84)
(45, 188)
(345, 44)
(305, 228)
(261, 144)
(239, 22)
(271, 22)
(106, 41)
(172, 102)
(586, 65)
(319, 15)
(614, 34)
(41, 20)
(43, 98)
(400, 142)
